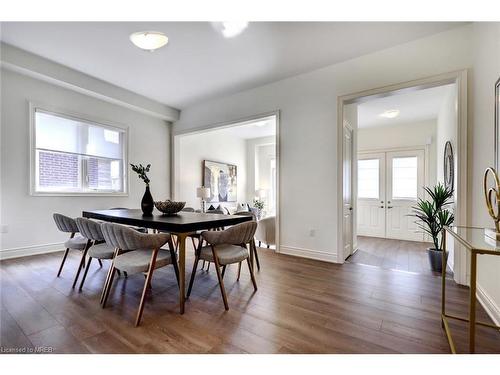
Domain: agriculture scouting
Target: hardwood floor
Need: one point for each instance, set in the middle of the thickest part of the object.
(408, 256)
(302, 306)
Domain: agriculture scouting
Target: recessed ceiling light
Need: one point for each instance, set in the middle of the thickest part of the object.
(149, 40)
(391, 113)
(230, 29)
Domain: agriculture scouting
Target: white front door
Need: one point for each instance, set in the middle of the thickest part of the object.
(405, 181)
(389, 184)
(371, 195)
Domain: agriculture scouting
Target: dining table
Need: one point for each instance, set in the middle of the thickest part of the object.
(181, 225)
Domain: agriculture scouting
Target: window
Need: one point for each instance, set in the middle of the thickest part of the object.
(368, 178)
(405, 178)
(77, 156)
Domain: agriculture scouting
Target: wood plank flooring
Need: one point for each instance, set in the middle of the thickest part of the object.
(302, 306)
(409, 256)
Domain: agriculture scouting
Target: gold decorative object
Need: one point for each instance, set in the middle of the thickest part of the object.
(492, 198)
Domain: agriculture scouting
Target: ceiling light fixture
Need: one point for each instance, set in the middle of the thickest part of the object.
(391, 113)
(149, 40)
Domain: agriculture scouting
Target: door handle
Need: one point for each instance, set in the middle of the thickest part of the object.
(350, 208)
(389, 206)
(381, 206)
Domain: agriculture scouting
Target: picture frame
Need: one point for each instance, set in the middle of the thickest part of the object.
(222, 180)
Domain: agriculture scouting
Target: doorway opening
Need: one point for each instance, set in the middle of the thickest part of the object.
(250, 150)
(393, 144)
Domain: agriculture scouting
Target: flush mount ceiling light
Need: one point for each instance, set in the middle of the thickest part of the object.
(391, 113)
(149, 40)
(230, 29)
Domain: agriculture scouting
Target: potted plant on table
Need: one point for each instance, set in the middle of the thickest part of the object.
(432, 216)
(147, 203)
(259, 205)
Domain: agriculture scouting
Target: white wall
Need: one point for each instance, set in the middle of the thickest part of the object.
(308, 128)
(407, 135)
(446, 128)
(258, 177)
(29, 218)
(486, 55)
(219, 146)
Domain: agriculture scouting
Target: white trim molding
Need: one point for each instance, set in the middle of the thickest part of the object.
(488, 303)
(458, 77)
(309, 253)
(18, 252)
(34, 66)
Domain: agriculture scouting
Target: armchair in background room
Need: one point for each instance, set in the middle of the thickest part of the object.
(266, 230)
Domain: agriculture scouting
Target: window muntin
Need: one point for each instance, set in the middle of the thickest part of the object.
(77, 156)
(368, 178)
(405, 177)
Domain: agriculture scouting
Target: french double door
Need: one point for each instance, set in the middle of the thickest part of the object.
(389, 184)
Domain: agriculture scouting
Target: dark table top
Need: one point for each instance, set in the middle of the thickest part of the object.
(179, 223)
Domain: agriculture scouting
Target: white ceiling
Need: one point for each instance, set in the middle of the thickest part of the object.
(199, 63)
(264, 127)
(414, 106)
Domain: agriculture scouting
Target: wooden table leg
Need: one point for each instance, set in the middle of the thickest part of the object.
(181, 238)
(472, 303)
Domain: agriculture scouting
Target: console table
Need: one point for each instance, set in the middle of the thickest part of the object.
(474, 240)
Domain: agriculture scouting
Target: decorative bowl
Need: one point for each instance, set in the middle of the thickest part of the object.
(169, 207)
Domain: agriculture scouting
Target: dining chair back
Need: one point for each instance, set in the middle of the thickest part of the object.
(75, 242)
(137, 252)
(226, 247)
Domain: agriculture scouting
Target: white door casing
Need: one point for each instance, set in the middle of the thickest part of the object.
(347, 192)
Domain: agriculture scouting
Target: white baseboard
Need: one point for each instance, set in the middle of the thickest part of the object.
(31, 250)
(492, 309)
(309, 253)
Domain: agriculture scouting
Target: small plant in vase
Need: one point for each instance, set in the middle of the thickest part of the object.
(147, 203)
(433, 216)
(259, 205)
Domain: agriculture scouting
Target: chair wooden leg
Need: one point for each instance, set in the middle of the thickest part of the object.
(239, 271)
(119, 273)
(82, 263)
(109, 286)
(203, 265)
(85, 274)
(108, 276)
(223, 271)
(251, 274)
(256, 255)
(100, 262)
(149, 275)
(221, 282)
(193, 274)
(194, 244)
(62, 263)
(208, 266)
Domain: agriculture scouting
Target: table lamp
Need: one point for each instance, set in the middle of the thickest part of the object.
(203, 193)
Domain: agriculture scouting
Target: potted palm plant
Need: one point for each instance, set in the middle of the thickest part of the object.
(433, 215)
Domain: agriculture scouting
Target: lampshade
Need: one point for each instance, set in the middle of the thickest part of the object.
(203, 192)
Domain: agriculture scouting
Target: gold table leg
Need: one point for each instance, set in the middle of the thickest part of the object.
(444, 263)
(472, 303)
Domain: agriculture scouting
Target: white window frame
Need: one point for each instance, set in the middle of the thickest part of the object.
(33, 107)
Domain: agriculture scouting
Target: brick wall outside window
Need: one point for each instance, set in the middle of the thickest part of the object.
(58, 169)
(99, 173)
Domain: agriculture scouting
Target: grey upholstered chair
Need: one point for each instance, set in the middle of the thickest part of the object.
(225, 247)
(98, 249)
(253, 248)
(75, 242)
(137, 253)
(198, 234)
